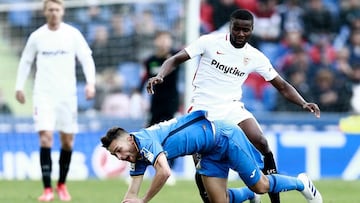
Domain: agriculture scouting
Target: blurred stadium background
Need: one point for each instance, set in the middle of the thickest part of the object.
(314, 44)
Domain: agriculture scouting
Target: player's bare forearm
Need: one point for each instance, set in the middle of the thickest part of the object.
(163, 172)
(167, 67)
(291, 94)
(134, 187)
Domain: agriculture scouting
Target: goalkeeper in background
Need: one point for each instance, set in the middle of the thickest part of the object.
(55, 46)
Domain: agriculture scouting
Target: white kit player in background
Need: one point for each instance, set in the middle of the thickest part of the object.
(55, 46)
(226, 60)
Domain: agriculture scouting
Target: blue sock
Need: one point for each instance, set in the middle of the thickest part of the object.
(240, 194)
(282, 183)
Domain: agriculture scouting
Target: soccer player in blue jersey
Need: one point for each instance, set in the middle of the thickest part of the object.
(226, 60)
(222, 146)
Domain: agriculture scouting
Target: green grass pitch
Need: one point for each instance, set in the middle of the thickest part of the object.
(112, 191)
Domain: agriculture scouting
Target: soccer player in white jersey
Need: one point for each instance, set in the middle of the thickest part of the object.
(55, 46)
(226, 60)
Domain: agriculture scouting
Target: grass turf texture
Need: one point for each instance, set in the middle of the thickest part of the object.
(112, 191)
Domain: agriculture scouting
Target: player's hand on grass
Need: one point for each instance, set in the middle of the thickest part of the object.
(135, 200)
(312, 107)
(153, 81)
(20, 96)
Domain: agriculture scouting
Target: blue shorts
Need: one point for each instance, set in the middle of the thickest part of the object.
(233, 151)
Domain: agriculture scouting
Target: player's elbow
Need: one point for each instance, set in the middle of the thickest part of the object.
(166, 173)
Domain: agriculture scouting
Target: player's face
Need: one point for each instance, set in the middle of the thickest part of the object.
(240, 32)
(124, 149)
(54, 13)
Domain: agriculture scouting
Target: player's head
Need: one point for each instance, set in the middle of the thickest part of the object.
(53, 11)
(120, 144)
(163, 42)
(241, 27)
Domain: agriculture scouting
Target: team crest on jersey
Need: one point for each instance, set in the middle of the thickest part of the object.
(132, 167)
(246, 61)
(147, 154)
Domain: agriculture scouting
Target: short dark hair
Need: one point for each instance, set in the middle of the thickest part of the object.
(111, 135)
(242, 14)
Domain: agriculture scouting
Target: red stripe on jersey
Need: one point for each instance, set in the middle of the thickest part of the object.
(190, 108)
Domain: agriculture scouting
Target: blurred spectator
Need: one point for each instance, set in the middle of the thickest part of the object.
(145, 28)
(292, 15)
(349, 12)
(221, 11)
(165, 102)
(206, 21)
(138, 106)
(4, 106)
(101, 49)
(122, 40)
(106, 82)
(355, 99)
(247, 4)
(329, 96)
(342, 65)
(19, 18)
(319, 21)
(354, 46)
(322, 53)
(116, 104)
(296, 77)
(292, 45)
(95, 16)
(267, 28)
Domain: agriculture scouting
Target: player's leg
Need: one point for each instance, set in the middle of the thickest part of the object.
(277, 183)
(44, 121)
(46, 142)
(245, 159)
(216, 189)
(199, 182)
(254, 133)
(67, 140)
(67, 125)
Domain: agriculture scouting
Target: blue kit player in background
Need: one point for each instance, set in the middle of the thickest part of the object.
(222, 146)
(225, 62)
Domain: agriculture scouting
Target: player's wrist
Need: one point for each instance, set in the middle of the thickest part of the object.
(160, 77)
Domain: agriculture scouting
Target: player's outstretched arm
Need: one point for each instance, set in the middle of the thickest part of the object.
(167, 67)
(163, 172)
(291, 94)
(134, 188)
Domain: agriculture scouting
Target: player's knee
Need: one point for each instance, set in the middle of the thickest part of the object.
(262, 145)
(46, 140)
(67, 145)
(262, 186)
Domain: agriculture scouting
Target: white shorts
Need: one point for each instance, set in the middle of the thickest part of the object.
(55, 114)
(233, 111)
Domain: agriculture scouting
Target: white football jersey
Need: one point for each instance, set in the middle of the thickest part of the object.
(55, 53)
(223, 69)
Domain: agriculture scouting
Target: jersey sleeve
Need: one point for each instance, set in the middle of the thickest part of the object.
(149, 149)
(265, 68)
(138, 168)
(197, 47)
(26, 60)
(84, 54)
